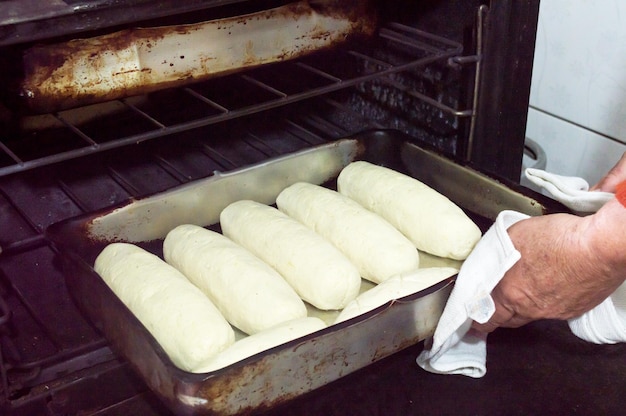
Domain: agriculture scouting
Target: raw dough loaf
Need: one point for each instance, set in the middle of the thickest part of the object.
(179, 316)
(250, 294)
(395, 288)
(263, 341)
(372, 244)
(430, 220)
(318, 272)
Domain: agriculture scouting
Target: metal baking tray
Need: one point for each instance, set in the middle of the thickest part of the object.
(292, 369)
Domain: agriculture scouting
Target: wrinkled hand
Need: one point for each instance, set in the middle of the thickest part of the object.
(568, 264)
(558, 276)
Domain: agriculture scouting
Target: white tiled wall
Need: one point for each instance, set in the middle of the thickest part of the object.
(578, 94)
(572, 150)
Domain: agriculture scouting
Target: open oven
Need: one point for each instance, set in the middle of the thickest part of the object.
(449, 76)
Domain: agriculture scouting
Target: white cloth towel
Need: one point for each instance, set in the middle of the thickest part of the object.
(604, 324)
(455, 348)
(571, 191)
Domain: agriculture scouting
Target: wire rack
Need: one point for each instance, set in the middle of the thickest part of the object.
(43, 140)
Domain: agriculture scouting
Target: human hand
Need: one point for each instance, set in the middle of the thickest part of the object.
(560, 274)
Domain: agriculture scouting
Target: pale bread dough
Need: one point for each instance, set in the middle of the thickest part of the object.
(319, 273)
(179, 316)
(395, 288)
(262, 341)
(430, 220)
(251, 295)
(372, 244)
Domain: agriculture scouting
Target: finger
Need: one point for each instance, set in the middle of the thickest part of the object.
(499, 318)
(487, 327)
(515, 322)
(608, 184)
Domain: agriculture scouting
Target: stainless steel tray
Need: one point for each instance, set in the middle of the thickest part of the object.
(274, 376)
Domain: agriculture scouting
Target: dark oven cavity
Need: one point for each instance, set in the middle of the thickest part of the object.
(439, 71)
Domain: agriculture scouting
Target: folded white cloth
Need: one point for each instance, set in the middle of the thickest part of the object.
(604, 324)
(571, 191)
(456, 349)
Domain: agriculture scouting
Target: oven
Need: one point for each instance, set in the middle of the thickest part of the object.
(449, 76)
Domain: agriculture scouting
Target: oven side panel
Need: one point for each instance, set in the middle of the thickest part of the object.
(506, 70)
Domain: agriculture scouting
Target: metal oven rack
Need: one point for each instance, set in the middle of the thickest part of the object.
(396, 49)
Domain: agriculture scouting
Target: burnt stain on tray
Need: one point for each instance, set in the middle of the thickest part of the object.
(116, 65)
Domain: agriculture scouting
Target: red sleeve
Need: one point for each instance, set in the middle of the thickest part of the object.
(620, 193)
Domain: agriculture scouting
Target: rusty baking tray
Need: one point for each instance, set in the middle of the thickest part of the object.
(276, 375)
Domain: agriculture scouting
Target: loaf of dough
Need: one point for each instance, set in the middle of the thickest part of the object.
(250, 294)
(372, 244)
(318, 272)
(262, 341)
(395, 288)
(179, 316)
(430, 220)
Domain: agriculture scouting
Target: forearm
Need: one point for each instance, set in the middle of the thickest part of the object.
(616, 175)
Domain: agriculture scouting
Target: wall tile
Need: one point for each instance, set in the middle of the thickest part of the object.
(579, 71)
(571, 149)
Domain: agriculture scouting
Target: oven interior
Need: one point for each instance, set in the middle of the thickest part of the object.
(418, 74)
